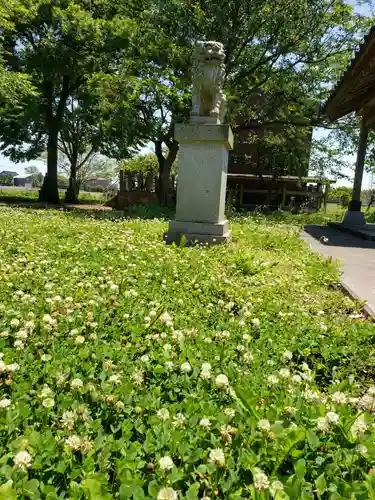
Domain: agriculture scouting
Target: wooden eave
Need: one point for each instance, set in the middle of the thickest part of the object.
(357, 86)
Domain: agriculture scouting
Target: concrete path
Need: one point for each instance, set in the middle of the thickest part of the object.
(357, 258)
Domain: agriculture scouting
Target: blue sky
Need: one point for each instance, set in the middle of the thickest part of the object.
(6, 164)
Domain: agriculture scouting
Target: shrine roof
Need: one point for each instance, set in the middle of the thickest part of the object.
(356, 87)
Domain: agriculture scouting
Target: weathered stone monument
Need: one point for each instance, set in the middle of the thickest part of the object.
(203, 163)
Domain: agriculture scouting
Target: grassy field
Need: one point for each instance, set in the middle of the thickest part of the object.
(32, 195)
(134, 370)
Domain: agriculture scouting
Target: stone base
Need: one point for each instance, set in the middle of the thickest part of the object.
(198, 232)
(354, 218)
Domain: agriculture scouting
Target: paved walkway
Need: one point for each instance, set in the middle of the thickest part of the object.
(357, 258)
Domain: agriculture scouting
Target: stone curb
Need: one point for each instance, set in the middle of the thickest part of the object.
(367, 309)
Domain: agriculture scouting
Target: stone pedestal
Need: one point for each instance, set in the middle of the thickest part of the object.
(201, 185)
(354, 218)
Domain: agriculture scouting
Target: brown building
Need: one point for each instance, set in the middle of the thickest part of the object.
(269, 167)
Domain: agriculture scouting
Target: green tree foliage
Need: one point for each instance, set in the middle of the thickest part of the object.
(145, 164)
(60, 44)
(342, 194)
(6, 180)
(290, 52)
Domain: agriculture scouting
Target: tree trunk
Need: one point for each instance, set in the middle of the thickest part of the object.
(71, 195)
(165, 167)
(49, 191)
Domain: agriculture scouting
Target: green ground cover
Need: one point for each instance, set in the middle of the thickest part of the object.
(29, 194)
(134, 370)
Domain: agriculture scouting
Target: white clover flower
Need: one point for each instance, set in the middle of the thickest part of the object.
(76, 383)
(74, 332)
(362, 450)
(366, 402)
(339, 398)
(3, 366)
(115, 379)
(30, 325)
(73, 442)
(13, 367)
(272, 380)
(248, 356)
(261, 482)
(185, 367)
(46, 392)
(22, 460)
(296, 379)
(48, 403)
(332, 418)
(166, 319)
(359, 427)
(230, 413)
(19, 345)
(5, 403)
(166, 463)
(311, 396)
(371, 390)
(255, 322)
(305, 367)
(15, 323)
(246, 337)
(291, 411)
(68, 420)
(145, 358)
(169, 365)
(179, 421)
(264, 425)
(206, 371)
(217, 457)
(322, 424)
(167, 494)
(226, 432)
(45, 357)
(275, 487)
(222, 381)
(205, 423)
(80, 340)
(287, 355)
(163, 414)
(138, 377)
(284, 373)
(21, 334)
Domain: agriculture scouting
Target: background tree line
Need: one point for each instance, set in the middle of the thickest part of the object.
(82, 78)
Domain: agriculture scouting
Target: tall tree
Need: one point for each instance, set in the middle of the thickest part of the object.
(291, 51)
(61, 44)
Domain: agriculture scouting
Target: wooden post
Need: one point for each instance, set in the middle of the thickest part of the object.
(241, 194)
(284, 196)
(355, 203)
(122, 181)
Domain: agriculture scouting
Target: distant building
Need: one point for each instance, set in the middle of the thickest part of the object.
(92, 184)
(8, 173)
(27, 180)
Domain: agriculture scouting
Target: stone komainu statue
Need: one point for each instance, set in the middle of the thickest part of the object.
(208, 78)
